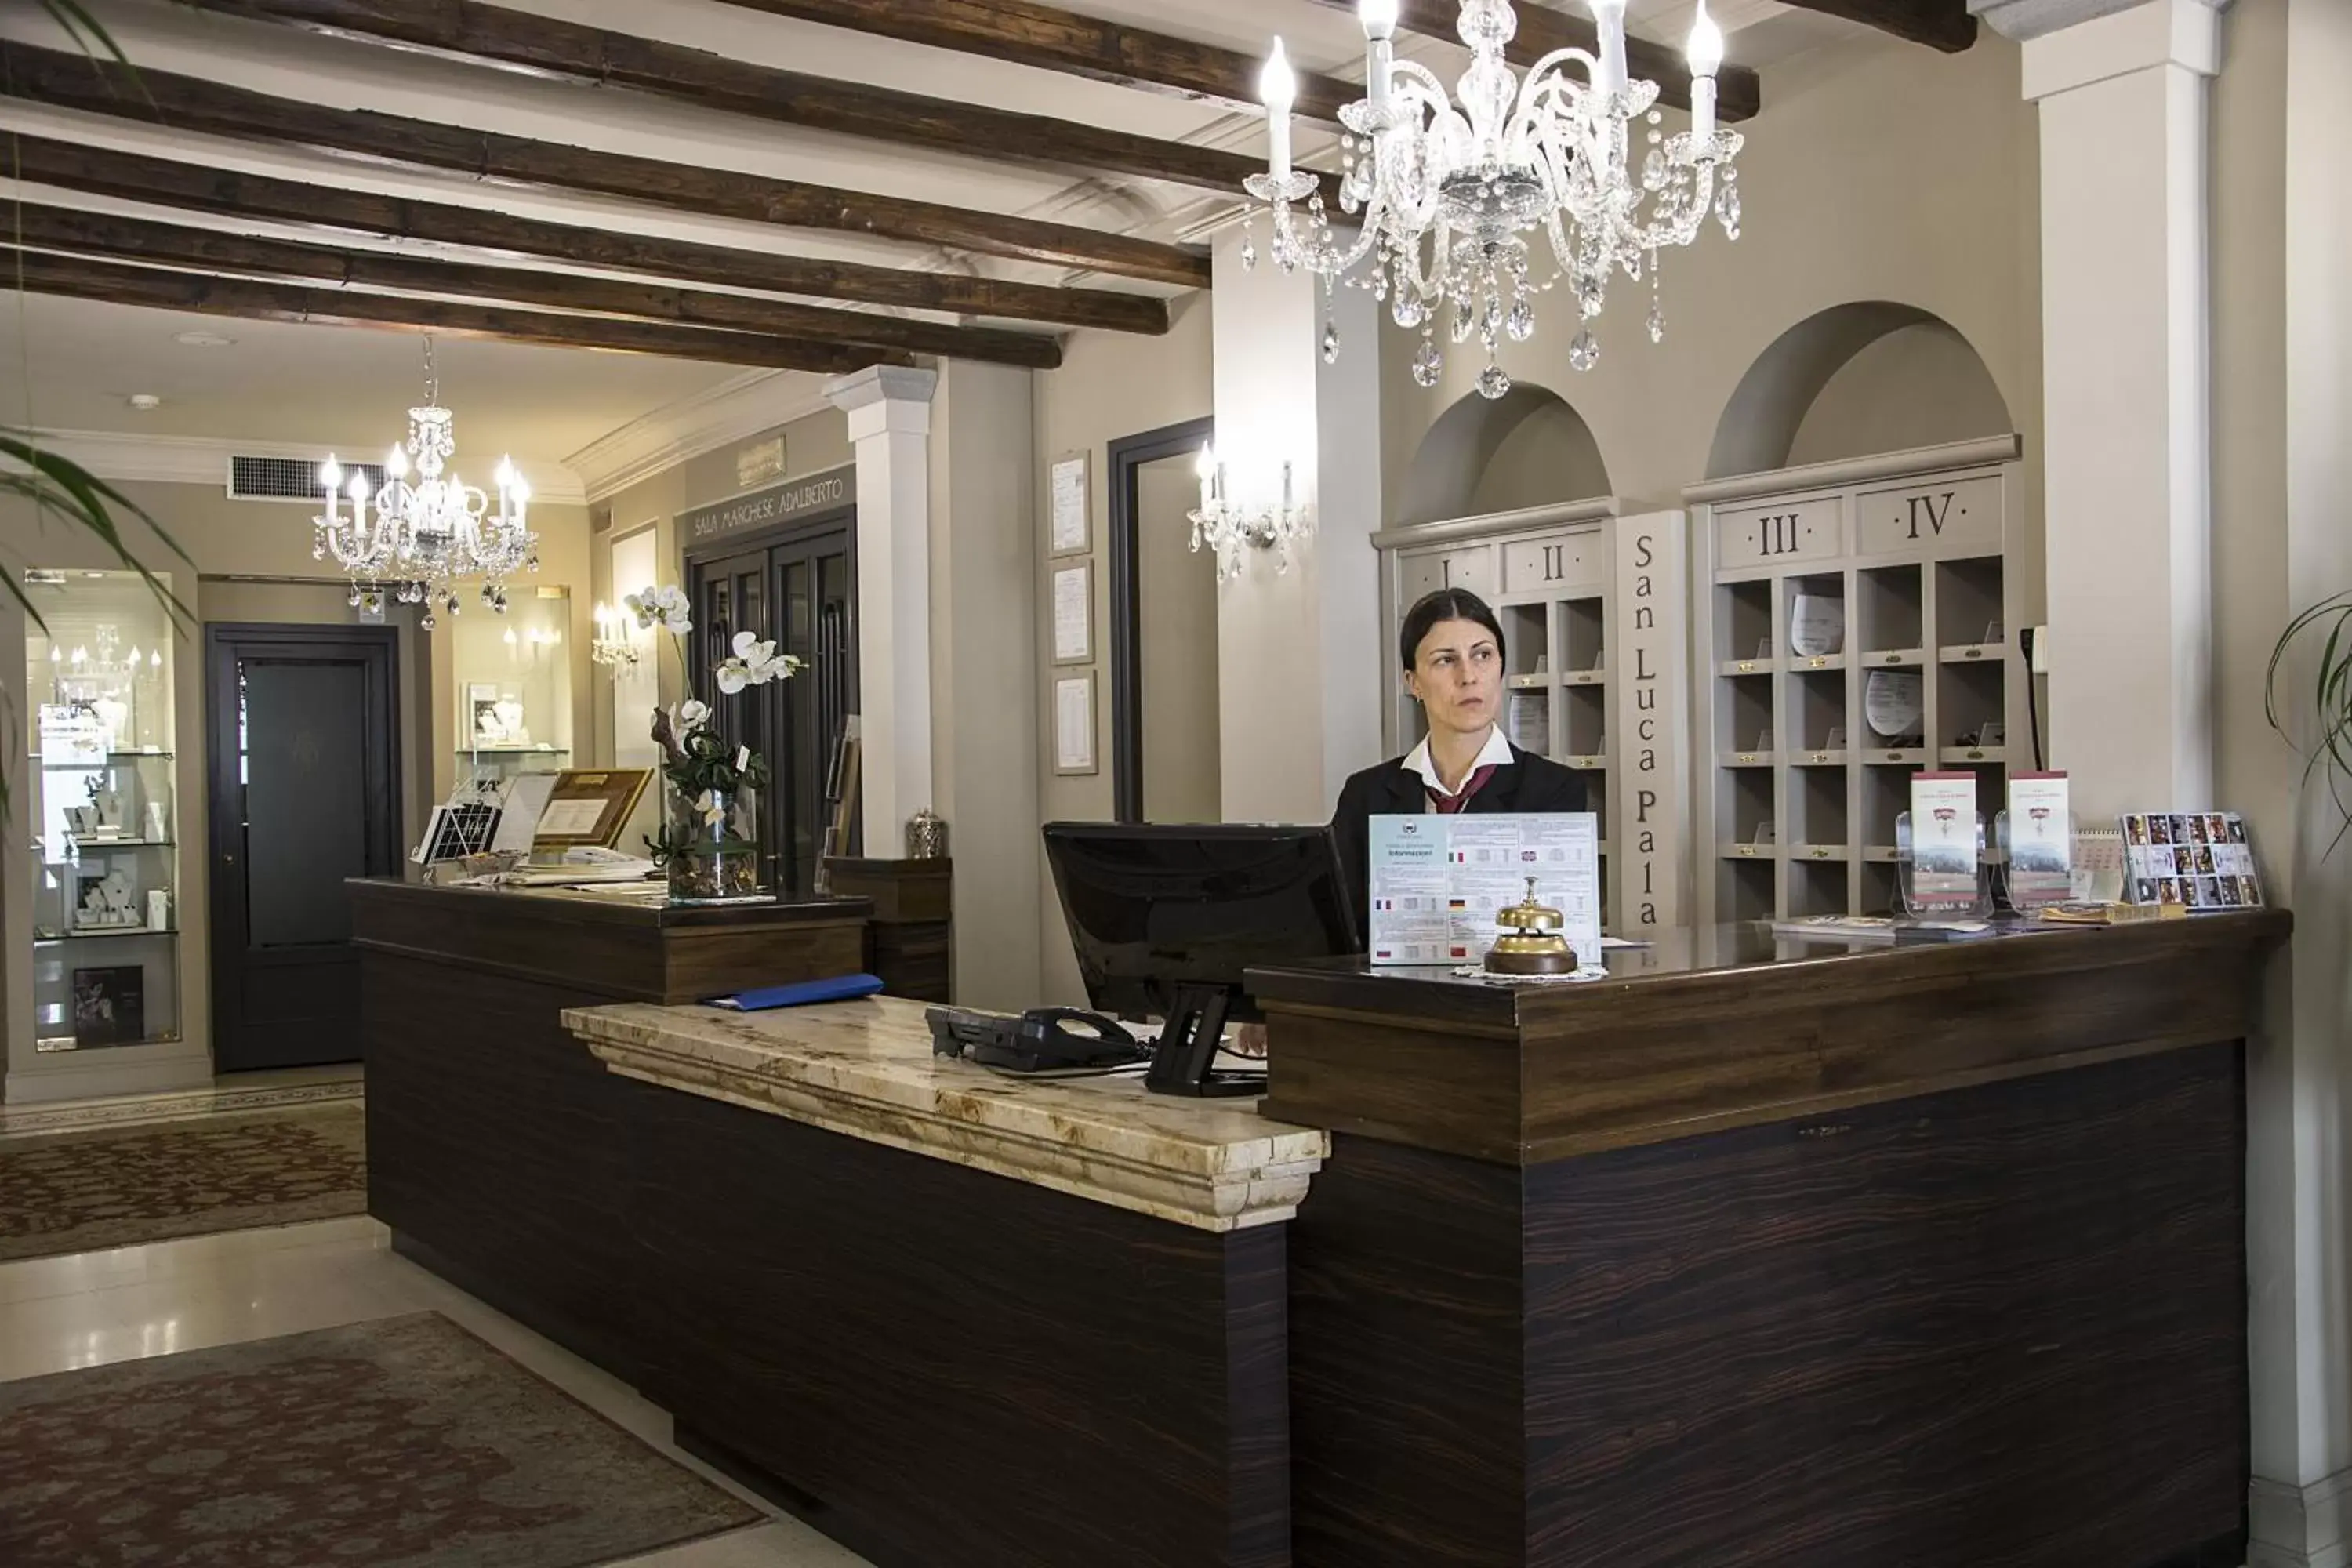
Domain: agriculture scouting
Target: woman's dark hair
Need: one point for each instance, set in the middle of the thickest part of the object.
(1445, 604)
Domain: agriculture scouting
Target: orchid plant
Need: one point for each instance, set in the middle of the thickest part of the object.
(701, 767)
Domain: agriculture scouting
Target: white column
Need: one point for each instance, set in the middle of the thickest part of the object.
(2126, 457)
(889, 410)
(1299, 670)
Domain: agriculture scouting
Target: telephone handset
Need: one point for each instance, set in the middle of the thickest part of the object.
(1041, 1040)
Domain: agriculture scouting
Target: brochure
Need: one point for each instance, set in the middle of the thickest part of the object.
(2041, 841)
(1437, 882)
(1943, 842)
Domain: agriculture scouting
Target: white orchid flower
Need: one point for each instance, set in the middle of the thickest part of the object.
(692, 716)
(732, 677)
(713, 811)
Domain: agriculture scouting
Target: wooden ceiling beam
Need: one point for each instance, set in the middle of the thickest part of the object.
(473, 30)
(226, 193)
(1738, 91)
(43, 227)
(70, 81)
(81, 278)
(1054, 40)
(1944, 25)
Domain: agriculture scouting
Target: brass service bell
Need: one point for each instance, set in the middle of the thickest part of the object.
(1530, 942)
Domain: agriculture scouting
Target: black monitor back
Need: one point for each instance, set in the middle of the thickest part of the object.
(1151, 908)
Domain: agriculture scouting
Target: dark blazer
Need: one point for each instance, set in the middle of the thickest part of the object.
(1530, 783)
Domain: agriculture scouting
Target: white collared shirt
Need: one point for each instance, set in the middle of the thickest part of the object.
(1495, 752)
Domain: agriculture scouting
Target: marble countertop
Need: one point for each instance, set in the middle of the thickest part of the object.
(865, 1069)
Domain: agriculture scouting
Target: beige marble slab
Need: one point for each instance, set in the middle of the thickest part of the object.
(865, 1069)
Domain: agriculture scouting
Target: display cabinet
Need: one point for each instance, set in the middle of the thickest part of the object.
(513, 675)
(1858, 623)
(102, 802)
(1591, 597)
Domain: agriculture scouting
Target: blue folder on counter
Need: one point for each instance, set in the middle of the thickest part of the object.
(840, 988)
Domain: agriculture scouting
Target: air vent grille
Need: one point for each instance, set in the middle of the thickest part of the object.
(289, 478)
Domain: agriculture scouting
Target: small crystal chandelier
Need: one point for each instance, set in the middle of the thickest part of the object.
(1229, 529)
(426, 538)
(1450, 198)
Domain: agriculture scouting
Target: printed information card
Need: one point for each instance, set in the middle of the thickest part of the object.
(1943, 842)
(1438, 880)
(2041, 841)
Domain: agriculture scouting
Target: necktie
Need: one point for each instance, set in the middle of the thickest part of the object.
(1448, 804)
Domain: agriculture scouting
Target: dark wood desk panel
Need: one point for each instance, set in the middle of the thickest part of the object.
(1729, 1026)
(1746, 1259)
(496, 1145)
(948, 1368)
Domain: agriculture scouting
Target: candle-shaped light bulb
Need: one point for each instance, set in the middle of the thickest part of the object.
(1277, 87)
(156, 659)
(1379, 20)
(1705, 51)
(519, 488)
(56, 654)
(395, 462)
(358, 491)
(331, 479)
(1610, 15)
(81, 656)
(134, 653)
(505, 474)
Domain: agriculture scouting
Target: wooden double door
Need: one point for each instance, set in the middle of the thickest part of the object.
(799, 591)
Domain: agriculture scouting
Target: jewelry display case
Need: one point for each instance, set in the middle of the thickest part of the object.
(101, 801)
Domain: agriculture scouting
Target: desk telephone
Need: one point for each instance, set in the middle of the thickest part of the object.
(1041, 1040)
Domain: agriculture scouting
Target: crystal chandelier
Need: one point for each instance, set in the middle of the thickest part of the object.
(428, 537)
(1450, 200)
(1229, 529)
(615, 647)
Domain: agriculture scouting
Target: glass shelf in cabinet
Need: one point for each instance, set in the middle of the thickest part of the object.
(113, 760)
(58, 938)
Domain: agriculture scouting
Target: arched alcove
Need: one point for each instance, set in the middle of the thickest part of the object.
(1872, 377)
(1528, 448)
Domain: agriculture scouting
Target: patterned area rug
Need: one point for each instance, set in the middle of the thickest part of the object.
(395, 1443)
(82, 1192)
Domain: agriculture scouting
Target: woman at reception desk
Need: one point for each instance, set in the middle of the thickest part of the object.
(1451, 648)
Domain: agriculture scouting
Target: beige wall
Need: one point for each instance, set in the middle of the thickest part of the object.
(229, 539)
(1177, 601)
(1110, 387)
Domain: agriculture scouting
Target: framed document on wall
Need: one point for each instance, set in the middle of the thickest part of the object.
(1074, 723)
(1074, 610)
(1069, 529)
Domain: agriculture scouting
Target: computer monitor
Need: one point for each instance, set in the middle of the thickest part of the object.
(1165, 919)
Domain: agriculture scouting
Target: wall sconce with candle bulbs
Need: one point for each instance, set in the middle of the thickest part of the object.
(615, 645)
(1230, 529)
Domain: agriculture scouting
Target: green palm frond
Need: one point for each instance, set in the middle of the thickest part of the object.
(85, 29)
(2328, 700)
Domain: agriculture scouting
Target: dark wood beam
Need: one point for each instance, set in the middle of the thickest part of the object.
(1943, 25)
(164, 181)
(42, 227)
(112, 283)
(1738, 91)
(1055, 39)
(186, 103)
(473, 30)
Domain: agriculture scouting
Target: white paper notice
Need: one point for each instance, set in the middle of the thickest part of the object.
(1446, 911)
(2040, 840)
(1817, 627)
(1074, 725)
(526, 803)
(571, 818)
(1943, 842)
(1894, 701)
(1073, 621)
(1069, 504)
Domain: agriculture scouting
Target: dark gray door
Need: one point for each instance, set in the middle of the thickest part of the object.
(304, 793)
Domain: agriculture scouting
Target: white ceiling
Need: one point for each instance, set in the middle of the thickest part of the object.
(346, 386)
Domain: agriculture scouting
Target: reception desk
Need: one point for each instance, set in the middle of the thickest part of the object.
(1751, 1253)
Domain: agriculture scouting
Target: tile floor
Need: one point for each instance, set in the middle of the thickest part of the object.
(57, 1313)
